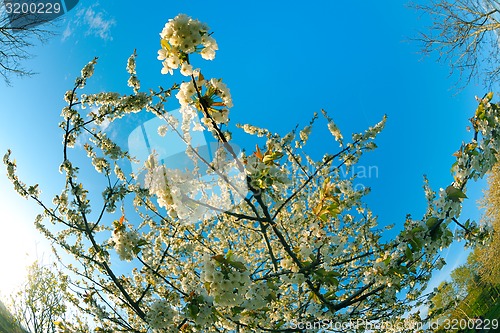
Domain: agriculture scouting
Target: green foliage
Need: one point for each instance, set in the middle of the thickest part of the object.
(487, 256)
(7, 322)
(455, 194)
(474, 289)
(465, 297)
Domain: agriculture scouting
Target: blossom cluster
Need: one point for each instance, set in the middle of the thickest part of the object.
(230, 284)
(180, 37)
(161, 316)
(214, 93)
(126, 242)
(157, 183)
(263, 167)
(187, 196)
(265, 175)
(227, 289)
(133, 81)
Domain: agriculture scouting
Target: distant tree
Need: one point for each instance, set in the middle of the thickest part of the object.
(451, 301)
(465, 297)
(465, 34)
(444, 300)
(41, 301)
(487, 256)
(7, 321)
(465, 279)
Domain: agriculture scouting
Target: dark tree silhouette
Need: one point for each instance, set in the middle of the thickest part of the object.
(18, 33)
(465, 34)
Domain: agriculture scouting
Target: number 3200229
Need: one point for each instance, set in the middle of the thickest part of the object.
(478, 324)
(33, 8)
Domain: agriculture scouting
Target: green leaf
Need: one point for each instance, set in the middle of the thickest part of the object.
(219, 258)
(417, 229)
(408, 253)
(416, 244)
(431, 222)
(238, 265)
(237, 309)
(448, 233)
(192, 310)
(488, 97)
(327, 277)
(320, 272)
(164, 44)
(436, 233)
(270, 157)
(480, 112)
(454, 193)
(314, 297)
(334, 209)
(331, 281)
(330, 295)
(271, 296)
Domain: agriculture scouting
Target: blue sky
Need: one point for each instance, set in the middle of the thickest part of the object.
(283, 61)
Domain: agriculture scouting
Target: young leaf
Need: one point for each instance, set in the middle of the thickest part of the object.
(455, 194)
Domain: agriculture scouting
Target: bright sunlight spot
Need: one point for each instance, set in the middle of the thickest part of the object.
(19, 243)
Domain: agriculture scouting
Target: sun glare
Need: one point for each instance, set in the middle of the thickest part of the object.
(20, 245)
